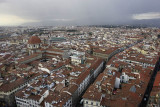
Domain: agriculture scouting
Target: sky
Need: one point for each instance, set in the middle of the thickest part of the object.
(77, 12)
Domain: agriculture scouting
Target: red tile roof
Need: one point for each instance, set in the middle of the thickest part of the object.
(157, 80)
(34, 40)
(27, 57)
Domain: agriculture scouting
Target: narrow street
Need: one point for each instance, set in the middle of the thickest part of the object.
(150, 85)
(80, 102)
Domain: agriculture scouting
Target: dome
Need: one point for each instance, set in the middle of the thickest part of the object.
(34, 40)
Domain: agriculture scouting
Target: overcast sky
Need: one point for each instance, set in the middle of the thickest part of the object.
(77, 12)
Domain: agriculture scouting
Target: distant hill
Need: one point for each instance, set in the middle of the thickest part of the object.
(146, 23)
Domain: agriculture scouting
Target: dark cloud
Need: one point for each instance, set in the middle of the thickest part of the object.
(78, 11)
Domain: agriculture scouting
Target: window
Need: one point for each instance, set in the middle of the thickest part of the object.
(86, 102)
(122, 77)
(96, 104)
(91, 103)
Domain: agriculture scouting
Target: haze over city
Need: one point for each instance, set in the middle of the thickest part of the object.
(78, 12)
(79, 53)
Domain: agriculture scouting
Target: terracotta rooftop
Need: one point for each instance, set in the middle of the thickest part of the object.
(34, 40)
(157, 80)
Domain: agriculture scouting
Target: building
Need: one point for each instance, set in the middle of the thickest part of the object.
(13, 85)
(34, 43)
(77, 57)
(154, 99)
(31, 97)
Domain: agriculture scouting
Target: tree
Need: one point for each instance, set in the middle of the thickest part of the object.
(90, 33)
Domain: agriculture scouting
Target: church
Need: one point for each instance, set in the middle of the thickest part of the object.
(38, 50)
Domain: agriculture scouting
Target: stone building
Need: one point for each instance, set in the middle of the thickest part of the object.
(34, 43)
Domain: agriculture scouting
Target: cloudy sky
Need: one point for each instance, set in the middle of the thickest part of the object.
(77, 12)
